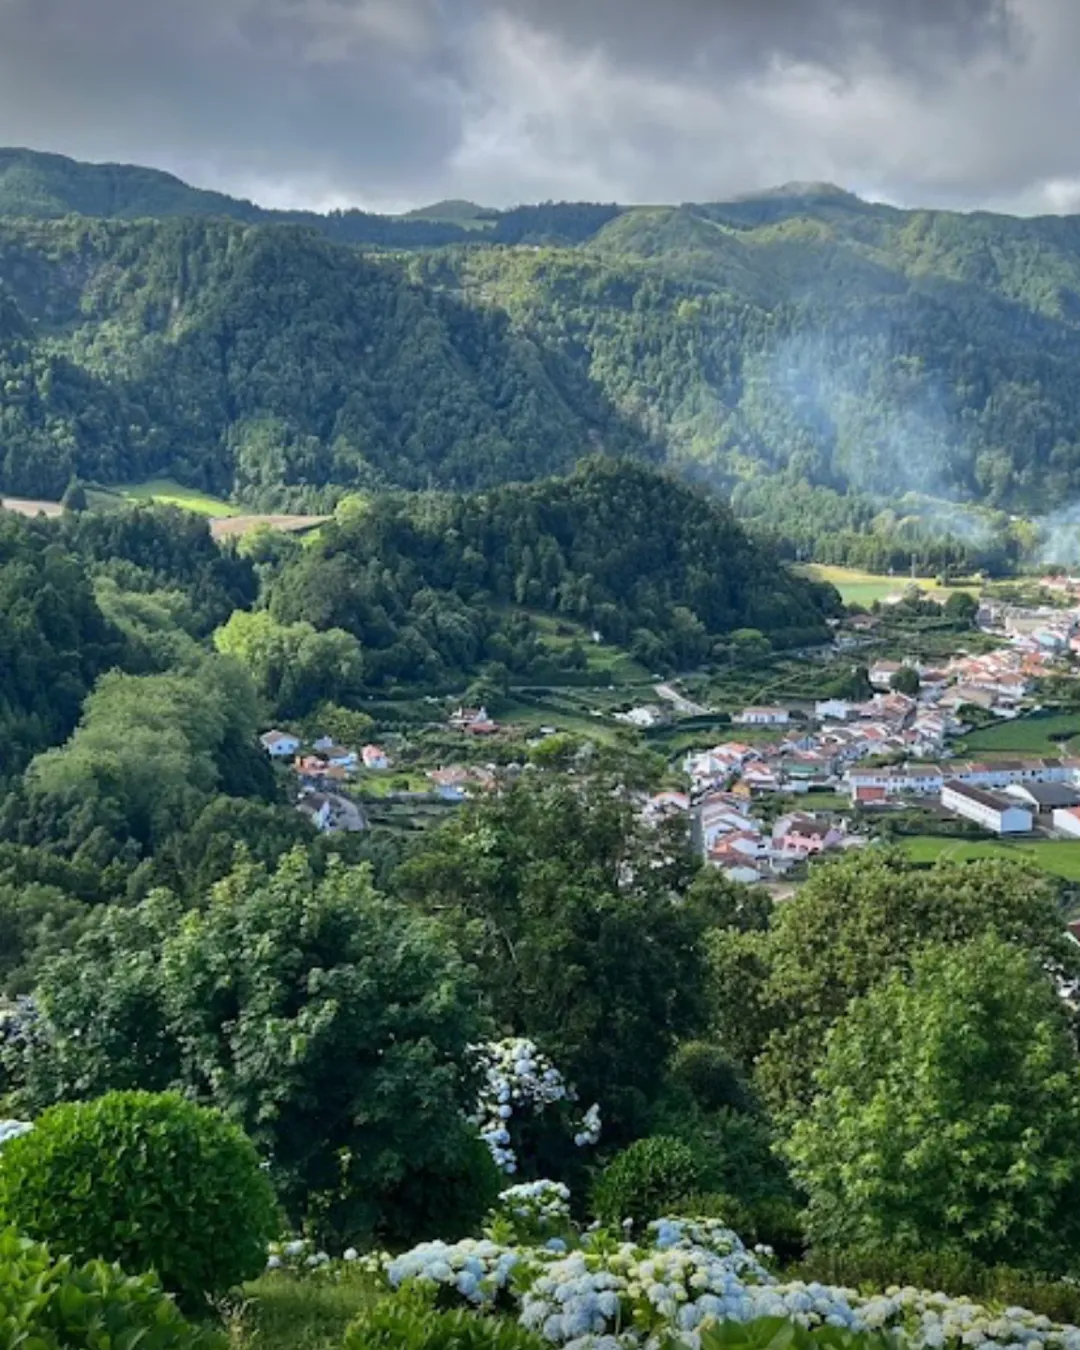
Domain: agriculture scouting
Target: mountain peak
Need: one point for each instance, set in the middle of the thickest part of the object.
(798, 189)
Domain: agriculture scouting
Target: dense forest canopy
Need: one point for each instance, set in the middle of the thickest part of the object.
(802, 337)
(424, 581)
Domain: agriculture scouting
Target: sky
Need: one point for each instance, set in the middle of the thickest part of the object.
(387, 104)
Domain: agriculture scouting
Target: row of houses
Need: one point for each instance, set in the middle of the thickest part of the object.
(874, 786)
(323, 752)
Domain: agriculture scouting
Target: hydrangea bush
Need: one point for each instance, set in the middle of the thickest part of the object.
(517, 1078)
(685, 1275)
(536, 1212)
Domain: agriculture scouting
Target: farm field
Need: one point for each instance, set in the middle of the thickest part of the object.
(1039, 735)
(170, 493)
(1058, 857)
(226, 521)
(24, 506)
(863, 588)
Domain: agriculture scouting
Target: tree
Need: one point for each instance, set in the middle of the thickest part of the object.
(329, 1022)
(961, 607)
(74, 498)
(294, 666)
(906, 681)
(857, 920)
(569, 910)
(947, 1114)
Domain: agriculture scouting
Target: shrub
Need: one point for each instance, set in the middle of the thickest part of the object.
(533, 1212)
(153, 1182)
(451, 1198)
(710, 1077)
(954, 1273)
(773, 1220)
(408, 1322)
(777, 1333)
(646, 1180)
(57, 1305)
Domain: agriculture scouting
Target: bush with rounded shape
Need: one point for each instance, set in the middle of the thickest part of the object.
(645, 1181)
(58, 1305)
(151, 1181)
(710, 1077)
(408, 1322)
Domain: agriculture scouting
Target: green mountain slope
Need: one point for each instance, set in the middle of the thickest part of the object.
(266, 362)
(832, 342)
(795, 338)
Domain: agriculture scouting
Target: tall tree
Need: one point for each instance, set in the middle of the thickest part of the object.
(947, 1114)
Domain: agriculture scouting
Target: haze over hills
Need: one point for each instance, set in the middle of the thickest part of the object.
(799, 341)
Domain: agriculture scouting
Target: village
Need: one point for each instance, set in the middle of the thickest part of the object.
(891, 751)
(794, 780)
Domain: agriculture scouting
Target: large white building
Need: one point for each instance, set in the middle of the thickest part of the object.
(992, 810)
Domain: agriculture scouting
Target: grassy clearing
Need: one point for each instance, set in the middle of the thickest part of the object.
(863, 588)
(170, 493)
(1058, 857)
(1039, 735)
(281, 1313)
(559, 633)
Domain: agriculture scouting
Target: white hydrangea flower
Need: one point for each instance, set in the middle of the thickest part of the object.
(13, 1129)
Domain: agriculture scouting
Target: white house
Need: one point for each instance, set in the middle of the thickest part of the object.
(762, 717)
(279, 744)
(1067, 821)
(642, 718)
(375, 757)
(992, 810)
(882, 672)
(832, 710)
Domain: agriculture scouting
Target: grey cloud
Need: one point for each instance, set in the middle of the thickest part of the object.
(721, 35)
(387, 102)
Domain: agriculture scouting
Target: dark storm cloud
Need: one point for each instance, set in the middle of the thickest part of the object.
(382, 102)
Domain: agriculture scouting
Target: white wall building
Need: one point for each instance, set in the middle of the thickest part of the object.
(762, 717)
(1067, 821)
(994, 812)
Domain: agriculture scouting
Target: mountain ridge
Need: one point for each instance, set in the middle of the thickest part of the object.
(765, 345)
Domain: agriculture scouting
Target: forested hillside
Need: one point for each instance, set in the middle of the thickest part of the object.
(798, 337)
(267, 363)
(425, 582)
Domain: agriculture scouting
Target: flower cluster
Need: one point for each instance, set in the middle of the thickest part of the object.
(611, 1295)
(300, 1257)
(477, 1272)
(580, 1296)
(518, 1077)
(935, 1320)
(535, 1211)
(689, 1273)
(12, 1129)
(297, 1255)
(589, 1133)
